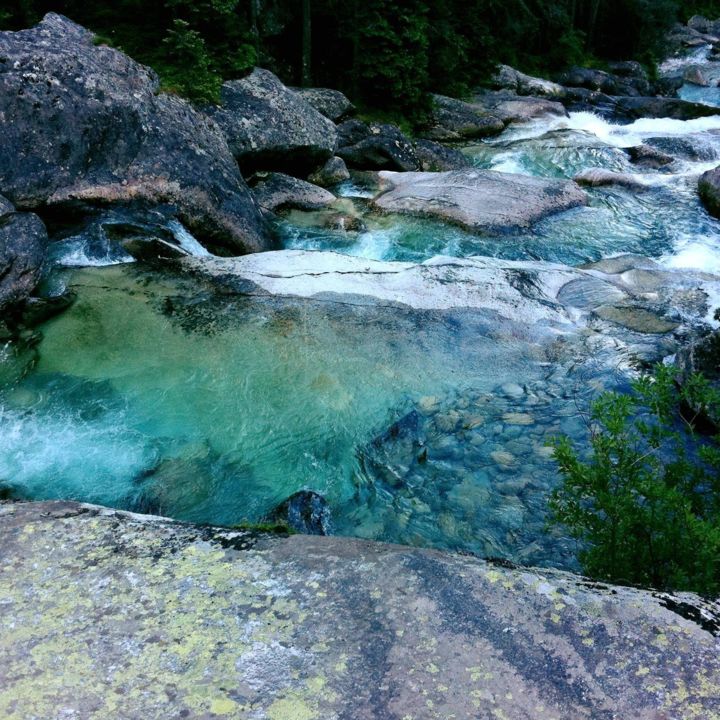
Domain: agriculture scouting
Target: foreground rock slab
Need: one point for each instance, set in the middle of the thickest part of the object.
(107, 614)
(85, 123)
(480, 200)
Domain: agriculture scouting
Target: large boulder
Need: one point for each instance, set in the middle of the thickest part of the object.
(631, 79)
(23, 242)
(330, 103)
(649, 157)
(334, 171)
(376, 147)
(282, 192)
(270, 127)
(453, 119)
(517, 108)
(480, 200)
(629, 109)
(83, 122)
(709, 189)
(435, 157)
(507, 78)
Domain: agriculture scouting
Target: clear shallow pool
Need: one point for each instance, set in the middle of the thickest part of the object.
(159, 393)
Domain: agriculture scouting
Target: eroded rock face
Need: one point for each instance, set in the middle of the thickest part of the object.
(311, 627)
(270, 127)
(479, 200)
(86, 123)
(23, 242)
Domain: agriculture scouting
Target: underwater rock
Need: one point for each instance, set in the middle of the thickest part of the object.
(637, 319)
(599, 177)
(270, 127)
(306, 512)
(480, 200)
(84, 122)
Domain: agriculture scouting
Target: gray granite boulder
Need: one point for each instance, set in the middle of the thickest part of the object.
(331, 103)
(453, 119)
(480, 200)
(270, 127)
(435, 157)
(83, 122)
(278, 191)
(376, 147)
(507, 78)
(709, 189)
(512, 108)
(110, 615)
(23, 243)
(334, 171)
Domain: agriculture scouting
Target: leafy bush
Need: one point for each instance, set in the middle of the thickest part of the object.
(645, 504)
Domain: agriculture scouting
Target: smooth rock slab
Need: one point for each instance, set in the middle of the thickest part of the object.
(108, 615)
(480, 200)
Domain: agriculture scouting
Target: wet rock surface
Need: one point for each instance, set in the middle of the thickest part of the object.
(86, 123)
(23, 247)
(310, 627)
(479, 200)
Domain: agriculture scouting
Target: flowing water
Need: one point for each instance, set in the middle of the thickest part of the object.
(160, 393)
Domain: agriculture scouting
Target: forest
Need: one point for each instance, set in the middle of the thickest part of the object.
(386, 55)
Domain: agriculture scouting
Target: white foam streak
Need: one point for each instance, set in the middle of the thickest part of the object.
(186, 240)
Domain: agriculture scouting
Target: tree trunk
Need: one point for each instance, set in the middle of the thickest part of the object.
(254, 28)
(306, 74)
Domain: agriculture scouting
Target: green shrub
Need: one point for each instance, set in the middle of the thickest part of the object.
(189, 69)
(645, 503)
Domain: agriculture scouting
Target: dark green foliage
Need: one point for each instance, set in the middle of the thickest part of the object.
(645, 504)
(189, 69)
(385, 54)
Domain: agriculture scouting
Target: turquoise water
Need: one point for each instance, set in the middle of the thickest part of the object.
(156, 392)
